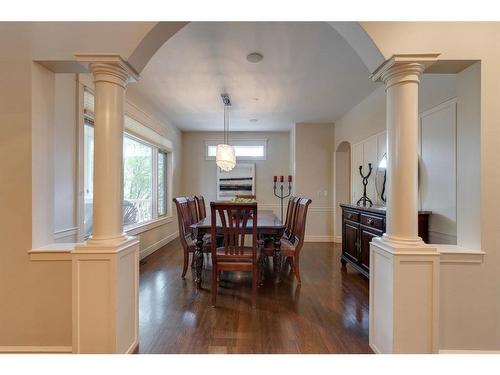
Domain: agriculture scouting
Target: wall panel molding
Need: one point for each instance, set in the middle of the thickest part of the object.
(319, 238)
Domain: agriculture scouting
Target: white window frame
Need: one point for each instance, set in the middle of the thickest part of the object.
(145, 130)
(236, 143)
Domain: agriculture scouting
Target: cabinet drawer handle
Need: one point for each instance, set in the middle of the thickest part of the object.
(370, 221)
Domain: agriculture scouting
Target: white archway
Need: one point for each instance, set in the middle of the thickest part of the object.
(352, 32)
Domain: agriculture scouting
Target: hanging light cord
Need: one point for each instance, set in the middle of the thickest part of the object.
(226, 125)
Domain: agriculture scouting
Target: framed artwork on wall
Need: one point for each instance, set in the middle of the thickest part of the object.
(238, 181)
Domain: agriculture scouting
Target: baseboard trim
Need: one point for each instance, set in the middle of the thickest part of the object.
(36, 349)
(374, 348)
(310, 238)
(134, 348)
(453, 351)
(157, 245)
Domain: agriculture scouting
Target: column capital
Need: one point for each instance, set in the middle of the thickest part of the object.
(403, 68)
(108, 68)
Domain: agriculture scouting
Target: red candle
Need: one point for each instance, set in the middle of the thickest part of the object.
(281, 178)
(289, 178)
(275, 178)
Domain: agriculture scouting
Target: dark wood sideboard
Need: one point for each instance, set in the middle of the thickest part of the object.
(360, 225)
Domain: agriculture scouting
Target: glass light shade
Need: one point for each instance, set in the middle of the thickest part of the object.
(225, 157)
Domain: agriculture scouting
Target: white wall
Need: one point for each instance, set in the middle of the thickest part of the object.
(468, 157)
(459, 292)
(438, 171)
(314, 154)
(200, 175)
(36, 296)
(342, 186)
(367, 118)
(369, 151)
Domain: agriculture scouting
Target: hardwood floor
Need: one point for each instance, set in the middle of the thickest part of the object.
(328, 313)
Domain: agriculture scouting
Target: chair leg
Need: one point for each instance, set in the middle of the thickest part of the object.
(292, 263)
(296, 264)
(186, 261)
(261, 268)
(215, 274)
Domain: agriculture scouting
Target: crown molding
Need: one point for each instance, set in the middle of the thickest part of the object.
(413, 62)
(111, 60)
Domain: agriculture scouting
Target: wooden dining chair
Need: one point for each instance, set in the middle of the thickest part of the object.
(200, 205)
(193, 210)
(290, 216)
(290, 248)
(268, 247)
(185, 219)
(236, 221)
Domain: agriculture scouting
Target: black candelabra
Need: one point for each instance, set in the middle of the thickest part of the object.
(282, 194)
(364, 199)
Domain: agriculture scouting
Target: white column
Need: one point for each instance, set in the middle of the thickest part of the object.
(106, 268)
(110, 81)
(402, 82)
(404, 272)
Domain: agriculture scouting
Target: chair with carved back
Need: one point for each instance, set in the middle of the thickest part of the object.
(268, 249)
(237, 220)
(290, 215)
(200, 205)
(291, 247)
(185, 219)
(193, 209)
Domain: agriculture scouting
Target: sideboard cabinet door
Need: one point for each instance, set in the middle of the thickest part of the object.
(351, 236)
(366, 237)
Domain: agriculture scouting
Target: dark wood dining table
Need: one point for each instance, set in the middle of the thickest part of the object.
(268, 225)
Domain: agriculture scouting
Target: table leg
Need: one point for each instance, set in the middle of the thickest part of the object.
(261, 264)
(277, 259)
(198, 259)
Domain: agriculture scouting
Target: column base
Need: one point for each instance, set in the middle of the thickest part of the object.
(105, 297)
(404, 297)
(402, 243)
(107, 241)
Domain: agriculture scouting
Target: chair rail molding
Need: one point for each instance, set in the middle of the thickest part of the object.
(36, 349)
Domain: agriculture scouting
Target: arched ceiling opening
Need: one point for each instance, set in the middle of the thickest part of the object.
(309, 73)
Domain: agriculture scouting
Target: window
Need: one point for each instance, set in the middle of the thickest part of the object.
(255, 149)
(137, 181)
(144, 175)
(88, 156)
(162, 183)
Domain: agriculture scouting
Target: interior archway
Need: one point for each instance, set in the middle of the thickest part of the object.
(352, 32)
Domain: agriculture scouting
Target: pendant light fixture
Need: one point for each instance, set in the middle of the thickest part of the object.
(225, 157)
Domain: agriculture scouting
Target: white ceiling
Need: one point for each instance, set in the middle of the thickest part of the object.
(308, 74)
